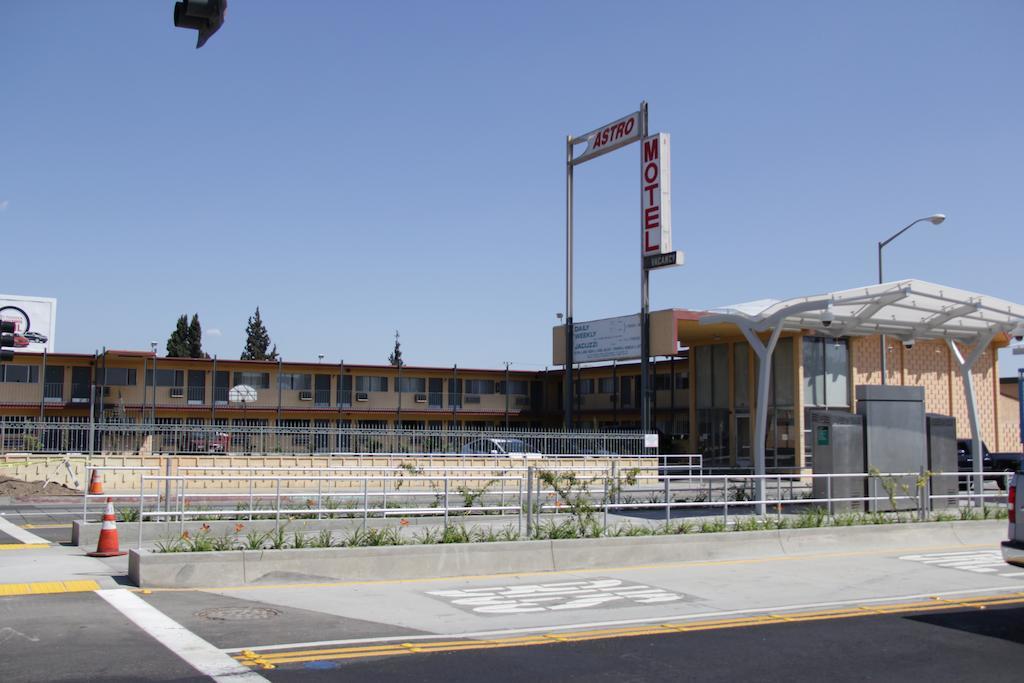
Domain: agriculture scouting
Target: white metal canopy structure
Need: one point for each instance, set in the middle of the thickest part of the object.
(908, 310)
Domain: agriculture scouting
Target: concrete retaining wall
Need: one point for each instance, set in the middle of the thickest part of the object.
(198, 570)
(29, 467)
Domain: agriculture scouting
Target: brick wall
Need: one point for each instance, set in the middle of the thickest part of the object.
(932, 366)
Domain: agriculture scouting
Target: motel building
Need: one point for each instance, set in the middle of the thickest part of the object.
(705, 380)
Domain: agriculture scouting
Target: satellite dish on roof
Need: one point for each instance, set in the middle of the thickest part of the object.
(242, 393)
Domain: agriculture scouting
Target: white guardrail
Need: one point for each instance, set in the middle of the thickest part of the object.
(526, 492)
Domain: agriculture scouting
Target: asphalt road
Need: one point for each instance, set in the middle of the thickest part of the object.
(926, 612)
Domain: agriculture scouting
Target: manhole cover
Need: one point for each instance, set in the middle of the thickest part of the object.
(238, 613)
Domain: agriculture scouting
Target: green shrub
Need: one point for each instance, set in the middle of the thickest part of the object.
(711, 526)
(813, 517)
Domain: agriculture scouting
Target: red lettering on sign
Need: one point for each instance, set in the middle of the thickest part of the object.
(649, 189)
(647, 241)
(620, 130)
(651, 172)
(629, 126)
(651, 218)
(651, 149)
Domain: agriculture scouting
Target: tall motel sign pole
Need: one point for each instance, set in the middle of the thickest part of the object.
(655, 232)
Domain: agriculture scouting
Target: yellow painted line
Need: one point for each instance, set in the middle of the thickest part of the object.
(47, 587)
(23, 546)
(558, 572)
(298, 656)
(45, 526)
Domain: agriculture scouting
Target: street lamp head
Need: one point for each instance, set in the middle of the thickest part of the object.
(937, 218)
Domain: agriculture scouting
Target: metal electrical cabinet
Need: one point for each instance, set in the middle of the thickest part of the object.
(894, 441)
(940, 431)
(838, 445)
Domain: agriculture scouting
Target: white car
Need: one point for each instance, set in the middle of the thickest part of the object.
(1013, 549)
(511, 447)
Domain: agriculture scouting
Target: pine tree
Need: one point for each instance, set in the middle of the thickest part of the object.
(177, 343)
(195, 338)
(396, 356)
(257, 340)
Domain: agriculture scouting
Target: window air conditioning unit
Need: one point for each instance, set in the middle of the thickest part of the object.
(177, 392)
(305, 395)
(472, 398)
(421, 398)
(362, 396)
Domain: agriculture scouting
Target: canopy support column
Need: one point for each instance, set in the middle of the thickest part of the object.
(965, 366)
(764, 375)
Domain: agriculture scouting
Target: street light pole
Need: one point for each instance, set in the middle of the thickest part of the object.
(934, 220)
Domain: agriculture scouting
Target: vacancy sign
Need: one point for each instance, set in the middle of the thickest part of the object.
(656, 195)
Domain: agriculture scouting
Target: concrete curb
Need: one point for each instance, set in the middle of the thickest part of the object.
(242, 567)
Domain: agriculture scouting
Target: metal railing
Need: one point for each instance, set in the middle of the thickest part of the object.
(122, 438)
(646, 495)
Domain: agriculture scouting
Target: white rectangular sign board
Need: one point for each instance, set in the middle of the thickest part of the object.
(656, 195)
(607, 138)
(35, 321)
(607, 339)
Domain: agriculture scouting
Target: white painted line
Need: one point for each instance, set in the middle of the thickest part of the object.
(17, 532)
(624, 622)
(201, 655)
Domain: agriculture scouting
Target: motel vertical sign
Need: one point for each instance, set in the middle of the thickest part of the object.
(656, 202)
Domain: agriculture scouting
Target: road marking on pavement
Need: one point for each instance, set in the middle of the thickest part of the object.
(200, 654)
(251, 657)
(15, 531)
(543, 597)
(752, 613)
(976, 561)
(46, 526)
(47, 587)
(562, 572)
(23, 546)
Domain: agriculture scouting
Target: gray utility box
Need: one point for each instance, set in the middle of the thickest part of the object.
(894, 441)
(838, 446)
(940, 431)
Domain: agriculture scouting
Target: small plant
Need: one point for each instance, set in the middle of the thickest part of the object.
(967, 514)
(712, 526)
(846, 519)
(374, 537)
(129, 514)
(944, 517)
(278, 538)
(428, 536)
(256, 540)
(324, 539)
(199, 542)
(492, 535)
(1001, 513)
(676, 528)
(551, 530)
(225, 542)
(169, 545)
(814, 517)
(300, 540)
(456, 533)
(773, 523)
(747, 524)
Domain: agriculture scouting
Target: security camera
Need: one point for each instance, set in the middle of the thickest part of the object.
(828, 317)
(908, 343)
(1018, 332)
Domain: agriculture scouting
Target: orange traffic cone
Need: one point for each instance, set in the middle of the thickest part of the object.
(95, 483)
(108, 545)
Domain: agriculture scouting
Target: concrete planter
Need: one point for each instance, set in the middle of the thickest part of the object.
(240, 567)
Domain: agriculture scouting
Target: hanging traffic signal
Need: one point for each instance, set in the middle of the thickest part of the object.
(206, 16)
(6, 339)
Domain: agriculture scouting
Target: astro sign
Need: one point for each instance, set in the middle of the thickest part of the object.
(609, 138)
(656, 195)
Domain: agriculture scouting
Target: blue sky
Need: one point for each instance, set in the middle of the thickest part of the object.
(353, 168)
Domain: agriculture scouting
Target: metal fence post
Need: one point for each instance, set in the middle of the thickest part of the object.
(922, 496)
(828, 492)
(668, 510)
(366, 499)
(277, 507)
(85, 494)
(319, 494)
(446, 503)
(181, 524)
(142, 497)
(250, 498)
(529, 501)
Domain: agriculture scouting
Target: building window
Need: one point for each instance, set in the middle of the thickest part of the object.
(166, 378)
(515, 387)
(826, 372)
(256, 380)
(606, 385)
(682, 379)
(662, 382)
(367, 383)
(585, 387)
(21, 374)
(412, 385)
(296, 381)
(116, 377)
(479, 386)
